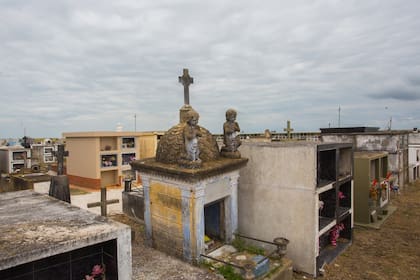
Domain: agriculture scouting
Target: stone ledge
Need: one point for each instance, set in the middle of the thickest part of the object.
(208, 169)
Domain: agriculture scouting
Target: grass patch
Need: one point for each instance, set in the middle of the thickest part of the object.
(229, 273)
(240, 245)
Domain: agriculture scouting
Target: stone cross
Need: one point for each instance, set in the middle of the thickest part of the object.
(288, 130)
(60, 154)
(103, 203)
(186, 80)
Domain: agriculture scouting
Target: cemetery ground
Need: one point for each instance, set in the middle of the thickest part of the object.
(391, 252)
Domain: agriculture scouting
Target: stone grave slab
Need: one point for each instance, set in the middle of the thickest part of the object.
(41, 235)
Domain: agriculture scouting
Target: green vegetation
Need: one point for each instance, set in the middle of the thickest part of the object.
(229, 273)
(240, 245)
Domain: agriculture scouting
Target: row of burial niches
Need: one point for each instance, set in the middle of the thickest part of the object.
(335, 221)
(335, 194)
(334, 163)
(334, 205)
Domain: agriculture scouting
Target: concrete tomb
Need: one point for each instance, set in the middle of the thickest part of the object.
(45, 238)
(372, 186)
(302, 191)
(189, 191)
(39, 182)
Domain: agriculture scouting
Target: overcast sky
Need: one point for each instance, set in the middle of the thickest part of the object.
(88, 65)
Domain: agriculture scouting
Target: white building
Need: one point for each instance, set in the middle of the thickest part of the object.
(44, 153)
(14, 158)
(414, 155)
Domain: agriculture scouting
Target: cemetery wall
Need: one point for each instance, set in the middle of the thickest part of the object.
(148, 145)
(83, 159)
(395, 143)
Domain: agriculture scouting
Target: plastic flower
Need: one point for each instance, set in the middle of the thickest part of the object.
(97, 270)
(373, 191)
(384, 185)
(335, 233)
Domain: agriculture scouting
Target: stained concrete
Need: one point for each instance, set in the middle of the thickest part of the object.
(34, 226)
(278, 197)
(395, 142)
(133, 205)
(180, 230)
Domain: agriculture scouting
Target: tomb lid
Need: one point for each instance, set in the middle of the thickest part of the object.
(370, 154)
(32, 177)
(34, 226)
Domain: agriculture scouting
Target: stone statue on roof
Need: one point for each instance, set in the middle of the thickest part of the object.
(231, 139)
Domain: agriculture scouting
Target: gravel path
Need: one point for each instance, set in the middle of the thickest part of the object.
(150, 264)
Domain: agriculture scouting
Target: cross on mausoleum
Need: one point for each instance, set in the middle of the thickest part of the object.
(186, 80)
(288, 130)
(60, 154)
(103, 203)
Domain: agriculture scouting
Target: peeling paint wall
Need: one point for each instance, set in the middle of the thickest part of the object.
(166, 218)
(174, 212)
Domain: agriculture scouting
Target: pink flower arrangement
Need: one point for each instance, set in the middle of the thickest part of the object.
(335, 233)
(98, 272)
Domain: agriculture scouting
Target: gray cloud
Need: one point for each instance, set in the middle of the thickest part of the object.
(75, 66)
(399, 94)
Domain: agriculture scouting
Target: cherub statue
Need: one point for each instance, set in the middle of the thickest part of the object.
(191, 134)
(231, 139)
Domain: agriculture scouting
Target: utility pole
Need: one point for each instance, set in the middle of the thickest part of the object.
(390, 120)
(339, 115)
(135, 122)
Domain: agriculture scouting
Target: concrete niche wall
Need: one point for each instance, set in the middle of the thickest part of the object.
(280, 191)
(276, 197)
